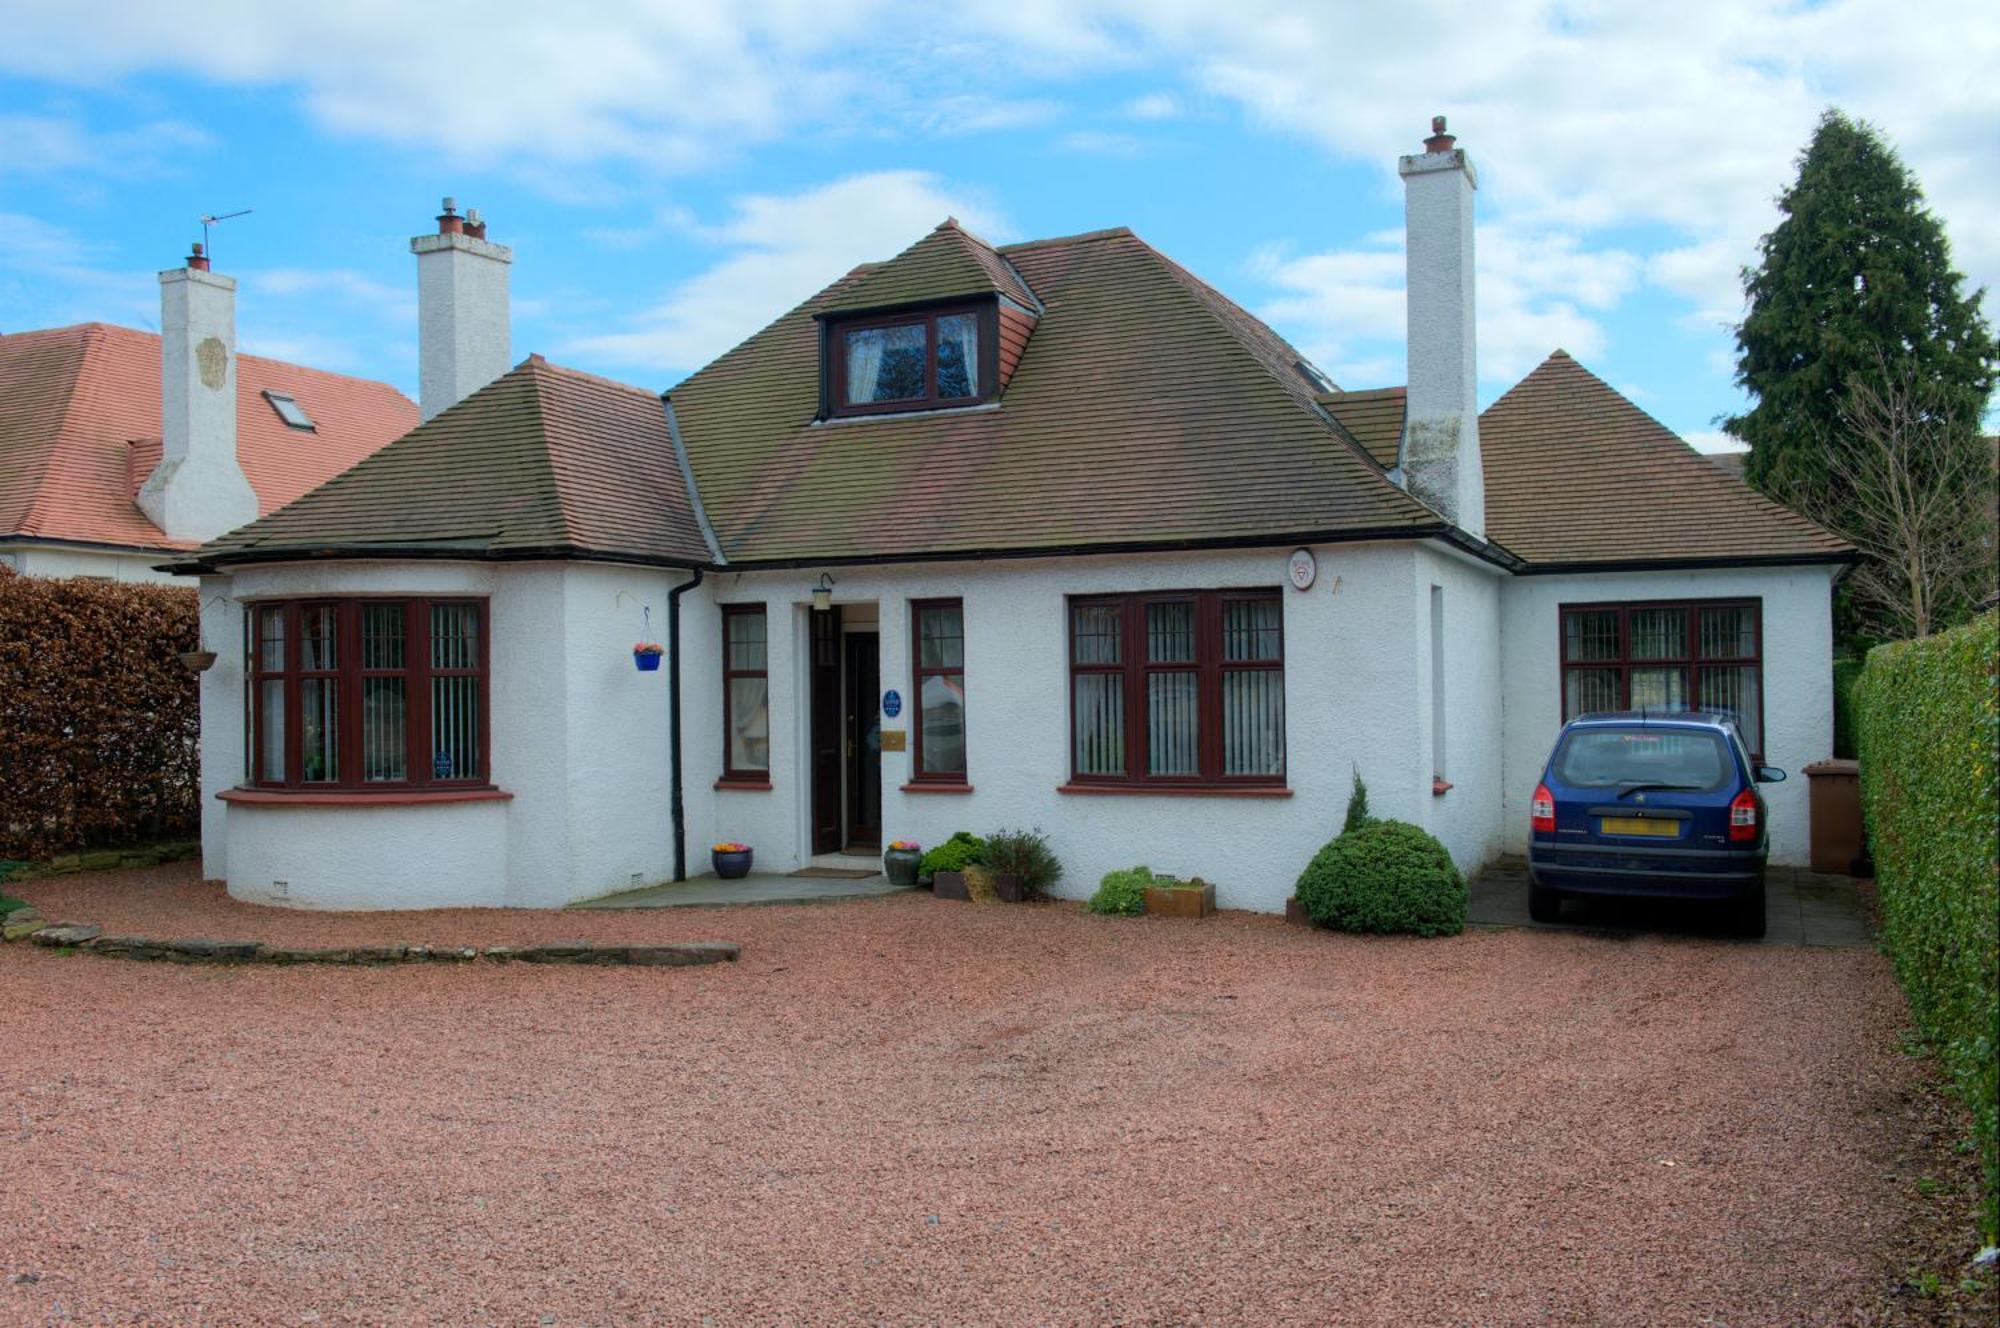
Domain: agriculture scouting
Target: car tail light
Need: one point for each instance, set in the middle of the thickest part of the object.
(1743, 815)
(1542, 811)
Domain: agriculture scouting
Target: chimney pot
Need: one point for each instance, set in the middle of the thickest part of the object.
(1439, 141)
(198, 257)
(475, 225)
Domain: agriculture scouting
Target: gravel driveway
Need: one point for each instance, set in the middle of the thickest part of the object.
(908, 1110)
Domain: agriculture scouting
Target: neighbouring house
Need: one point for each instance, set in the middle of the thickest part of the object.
(1051, 534)
(118, 447)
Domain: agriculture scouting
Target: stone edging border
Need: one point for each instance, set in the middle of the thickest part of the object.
(205, 950)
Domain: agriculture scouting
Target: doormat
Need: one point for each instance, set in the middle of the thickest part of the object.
(835, 873)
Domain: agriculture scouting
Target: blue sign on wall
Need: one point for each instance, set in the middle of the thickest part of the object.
(892, 703)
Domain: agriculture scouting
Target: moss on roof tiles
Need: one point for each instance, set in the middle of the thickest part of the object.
(948, 263)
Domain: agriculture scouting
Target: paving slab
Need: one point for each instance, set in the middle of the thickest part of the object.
(1800, 908)
(756, 888)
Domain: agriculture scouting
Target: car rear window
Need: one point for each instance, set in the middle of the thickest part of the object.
(1609, 758)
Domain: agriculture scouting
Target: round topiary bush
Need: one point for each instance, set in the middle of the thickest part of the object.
(1385, 876)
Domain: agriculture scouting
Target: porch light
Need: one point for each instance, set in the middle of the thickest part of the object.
(823, 593)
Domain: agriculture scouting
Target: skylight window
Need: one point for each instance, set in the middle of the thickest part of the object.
(289, 410)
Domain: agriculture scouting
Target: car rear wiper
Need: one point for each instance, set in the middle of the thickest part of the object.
(1643, 788)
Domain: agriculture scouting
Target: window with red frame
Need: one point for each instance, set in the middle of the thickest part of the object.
(746, 694)
(938, 630)
(1178, 689)
(915, 360)
(367, 694)
(1667, 656)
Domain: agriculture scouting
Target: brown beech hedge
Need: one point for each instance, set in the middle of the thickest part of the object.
(99, 719)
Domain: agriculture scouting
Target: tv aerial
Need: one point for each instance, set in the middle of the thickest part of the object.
(208, 247)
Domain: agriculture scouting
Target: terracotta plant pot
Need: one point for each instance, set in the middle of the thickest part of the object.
(1193, 900)
(900, 865)
(1296, 914)
(949, 885)
(731, 866)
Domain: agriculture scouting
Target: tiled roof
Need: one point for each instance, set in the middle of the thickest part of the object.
(949, 262)
(1374, 417)
(1577, 474)
(1146, 410)
(543, 460)
(75, 400)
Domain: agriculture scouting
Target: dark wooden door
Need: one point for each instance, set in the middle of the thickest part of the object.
(864, 741)
(827, 828)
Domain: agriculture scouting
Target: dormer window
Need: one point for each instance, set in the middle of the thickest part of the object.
(912, 360)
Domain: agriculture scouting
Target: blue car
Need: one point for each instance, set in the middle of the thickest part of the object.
(1661, 806)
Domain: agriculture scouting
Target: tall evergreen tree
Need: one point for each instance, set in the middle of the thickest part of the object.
(1855, 288)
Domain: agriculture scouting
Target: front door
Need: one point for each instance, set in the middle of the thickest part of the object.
(828, 820)
(861, 720)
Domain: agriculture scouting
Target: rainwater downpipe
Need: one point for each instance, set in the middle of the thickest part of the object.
(677, 799)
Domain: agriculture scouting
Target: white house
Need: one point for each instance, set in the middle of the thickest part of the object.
(1052, 535)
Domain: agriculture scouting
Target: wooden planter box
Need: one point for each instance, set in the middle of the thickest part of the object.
(949, 885)
(1008, 886)
(1296, 914)
(1180, 901)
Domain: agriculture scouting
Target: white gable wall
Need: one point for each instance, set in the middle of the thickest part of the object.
(1798, 676)
(64, 560)
(1467, 818)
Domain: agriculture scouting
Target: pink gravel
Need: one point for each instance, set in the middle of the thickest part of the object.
(914, 1111)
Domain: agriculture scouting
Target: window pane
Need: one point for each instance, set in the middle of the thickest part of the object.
(1659, 689)
(316, 636)
(1172, 728)
(1591, 635)
(271, 757)
(1728, 633)
(1253, 721)
(885, 364)
(454, 636)
(958, 355)
(384, 739)
(1170, 633)
(746, 641)
(1097, 634)
(1588, 690)
(941, 638)
(319, 730)
(749, 724)
(1659, 634)
(1100, 724)
(1732, 690)
(271, 641)
(382, 636)
(1250, 630)
(455, 727)
(943, 716)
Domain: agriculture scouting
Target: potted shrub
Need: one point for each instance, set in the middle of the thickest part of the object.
(731, 859)
(1122, 893)
(901, 861)
(1023, 865)
(946, 864)
(1386, 876)
(646, 656)
(1167, 897)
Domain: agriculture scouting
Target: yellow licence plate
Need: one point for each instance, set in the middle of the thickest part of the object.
(1633, 825)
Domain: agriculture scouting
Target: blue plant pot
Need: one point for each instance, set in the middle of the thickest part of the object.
(731, 866)
(646, 663)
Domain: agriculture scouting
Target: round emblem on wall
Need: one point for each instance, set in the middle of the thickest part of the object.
(892, 703)
(1303, 568)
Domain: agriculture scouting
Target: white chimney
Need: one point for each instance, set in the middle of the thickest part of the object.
(1440, 456)
(462, 335)
(198, 490)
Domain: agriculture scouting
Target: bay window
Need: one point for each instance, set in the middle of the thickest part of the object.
(1183, 689)
(1666, 656)
(367, 694)
(938, 629)
(746, 694)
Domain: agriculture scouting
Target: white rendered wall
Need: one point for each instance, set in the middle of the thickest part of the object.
(1352, 655)
(1467, 818)
(1798, 676)
(59, 560)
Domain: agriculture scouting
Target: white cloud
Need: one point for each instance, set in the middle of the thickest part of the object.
(780, 250)
(1711, 440)
(1154, 106)
(53, 144)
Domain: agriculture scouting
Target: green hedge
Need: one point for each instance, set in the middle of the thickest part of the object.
(1929, 724)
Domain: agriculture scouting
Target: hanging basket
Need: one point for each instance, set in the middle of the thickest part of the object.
(198, 661)
(646, 656)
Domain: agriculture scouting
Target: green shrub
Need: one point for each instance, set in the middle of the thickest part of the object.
(1025, 853)
(1928, 725)
(1357, 806)
(1846, 673)
(1386, 876)
(954, 855)
(1123, 892)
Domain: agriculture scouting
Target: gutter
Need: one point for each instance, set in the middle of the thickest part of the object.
(677, 804)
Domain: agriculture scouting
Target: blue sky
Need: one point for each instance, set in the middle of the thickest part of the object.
(672, 176)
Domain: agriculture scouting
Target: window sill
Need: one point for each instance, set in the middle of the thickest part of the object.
(939, 786)
(745, 785)
(1179, 790)
(257, 797)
